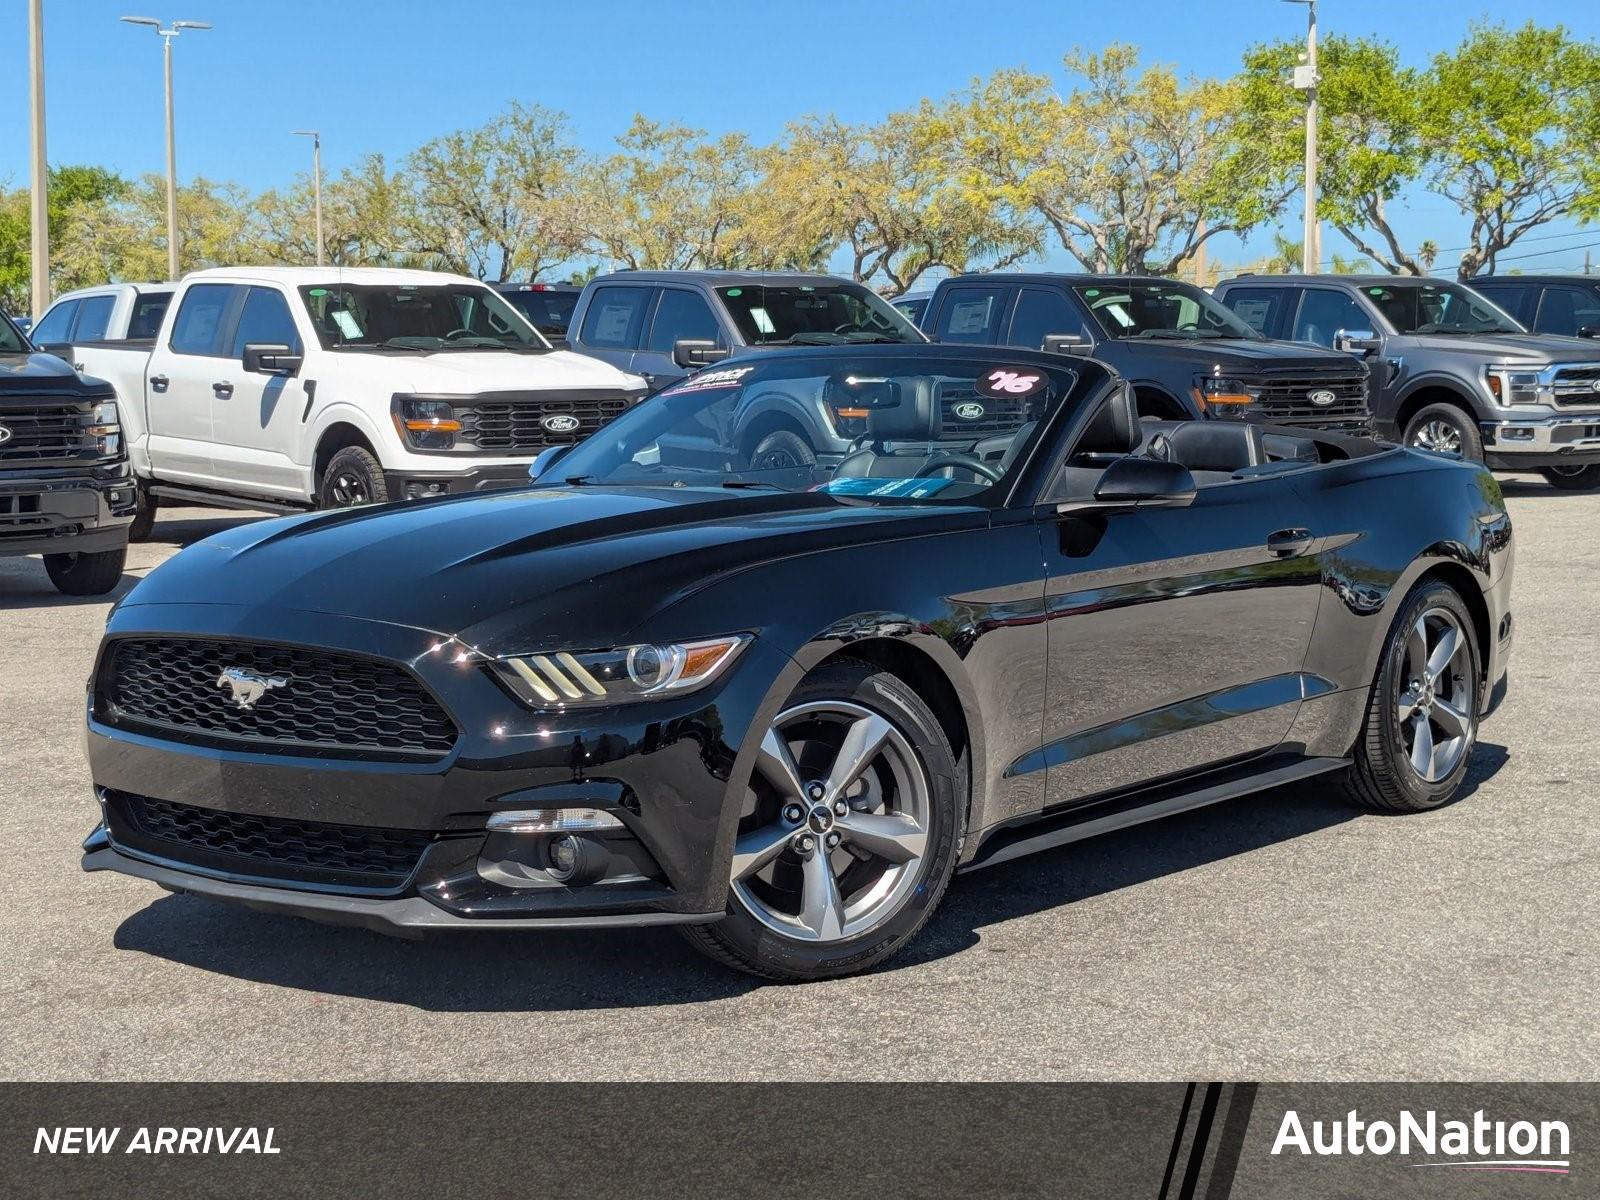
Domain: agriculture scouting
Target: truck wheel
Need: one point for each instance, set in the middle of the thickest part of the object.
(1573, 479)
(86, 574)
(781, 449)
(144, 514)
(1445, 429)
(353, 477)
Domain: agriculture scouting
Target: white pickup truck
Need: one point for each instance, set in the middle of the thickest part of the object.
(113, 312)
(287, 388)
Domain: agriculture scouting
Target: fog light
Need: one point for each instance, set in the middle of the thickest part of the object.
(416, 490)
(564, 855)
(575, 861)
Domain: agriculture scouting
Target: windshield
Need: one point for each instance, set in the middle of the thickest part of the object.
(418, 318)
(881, 428)
(11, 341)
(550, 312)
(1161, 309)
(1444, 308)
(821, 314)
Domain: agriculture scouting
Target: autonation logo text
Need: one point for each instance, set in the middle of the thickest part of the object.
(1478, 1144)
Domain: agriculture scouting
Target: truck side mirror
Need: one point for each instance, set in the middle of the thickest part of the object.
(1358, 341)
(1589, 331)
(693, 353)
(1065, 343)
(271, 358)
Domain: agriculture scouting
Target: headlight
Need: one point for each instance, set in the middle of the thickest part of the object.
(105, 427)
(1225, 397)
(566, 679)
(426, 424)
(1511, 385)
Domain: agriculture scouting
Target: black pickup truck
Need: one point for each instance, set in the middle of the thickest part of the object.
(66, 490)
(1185, 355)
(1451, 371)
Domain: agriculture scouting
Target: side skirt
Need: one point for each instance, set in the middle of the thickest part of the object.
(1086, 821)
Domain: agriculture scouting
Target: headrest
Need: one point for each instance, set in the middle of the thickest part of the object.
(914, 419)
(1217, 445)
(1115, 428)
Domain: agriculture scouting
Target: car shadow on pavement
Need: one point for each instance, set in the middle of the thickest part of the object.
(565, 970)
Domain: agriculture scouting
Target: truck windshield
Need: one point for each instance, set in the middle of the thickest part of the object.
(11, 342)
(550, 311)
(1161, 309)
(814, 314)
(417, 317)
(1444, 308)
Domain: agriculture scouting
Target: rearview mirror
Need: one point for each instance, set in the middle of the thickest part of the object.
(544, 460)
(1065, 343)
(692, 353)
(1145, 481)
(853, 395)
(1357, 341)
(271, 358)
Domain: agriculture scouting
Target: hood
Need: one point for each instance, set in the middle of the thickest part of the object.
(1513, 347)
(1204, 353)
(35, 374)
(469, 372)
(539, 569)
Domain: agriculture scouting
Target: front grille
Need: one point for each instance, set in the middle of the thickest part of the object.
(512, 424)
(308, 699)
(42, 430)
(1575, 386)
(1287, 397)
(265, 847)
(997, 417)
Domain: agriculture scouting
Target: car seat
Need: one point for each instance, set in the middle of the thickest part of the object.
(913, 426)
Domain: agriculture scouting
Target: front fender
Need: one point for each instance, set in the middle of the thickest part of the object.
(340, 412)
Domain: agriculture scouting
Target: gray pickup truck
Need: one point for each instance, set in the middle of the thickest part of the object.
(1450, 371)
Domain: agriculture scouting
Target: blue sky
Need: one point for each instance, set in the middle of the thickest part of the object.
(387, 76)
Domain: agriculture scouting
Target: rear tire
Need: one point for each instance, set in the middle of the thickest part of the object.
(144, 514)
(871, 875)
(353, 477)
(1422, 722)
(1445, 429)
(86, 574)
(1573, 479)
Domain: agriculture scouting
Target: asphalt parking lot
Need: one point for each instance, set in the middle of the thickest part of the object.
(1280, 937)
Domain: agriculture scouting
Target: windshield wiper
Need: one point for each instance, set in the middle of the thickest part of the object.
(750, 484)
(1180, 335)
(1455, 330)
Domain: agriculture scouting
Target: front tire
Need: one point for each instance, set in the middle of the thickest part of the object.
(849, 833)
(144, 514)
(782, 449)
(353, 477)
(1445, 429)
(86, 574)
(1573, 479)
(1422, 715)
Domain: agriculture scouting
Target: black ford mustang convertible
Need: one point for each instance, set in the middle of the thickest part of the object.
(780, 704)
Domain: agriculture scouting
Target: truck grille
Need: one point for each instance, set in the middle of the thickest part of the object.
(1288, 397)
(313, 852)
(512, 424)
(1575, 387)
(305, 699)
(998, 416)
(41, 430)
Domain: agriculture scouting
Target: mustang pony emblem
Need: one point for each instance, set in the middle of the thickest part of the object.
(245, 688)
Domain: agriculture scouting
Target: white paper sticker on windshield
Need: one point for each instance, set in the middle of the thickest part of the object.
(762, 320)
(346, 321)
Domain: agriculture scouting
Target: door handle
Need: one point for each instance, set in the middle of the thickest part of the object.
(158, 383)
(222, 390)
(1287, 543)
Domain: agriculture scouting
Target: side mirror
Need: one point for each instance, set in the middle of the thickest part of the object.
(271, 358)
(1358, 341)
(544, 460)
(1065, 343)
(693, 353)
(1147, 481)
(1589, 331)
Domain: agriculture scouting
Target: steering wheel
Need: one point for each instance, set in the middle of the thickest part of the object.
(965, 461)
(457, 334)
(847, 327)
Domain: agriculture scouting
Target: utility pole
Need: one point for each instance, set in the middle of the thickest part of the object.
(316, 182)
(39, 246)
(167, 35)
(1305, 79)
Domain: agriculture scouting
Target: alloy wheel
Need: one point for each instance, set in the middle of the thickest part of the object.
(836, 826)
(1434, 702)
(347, 489)
(1437, 435)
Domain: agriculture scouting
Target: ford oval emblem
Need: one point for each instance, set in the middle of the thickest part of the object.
(1321, 398)
(5, 435)
(560, 423)
(968, 412)
(1593, 387)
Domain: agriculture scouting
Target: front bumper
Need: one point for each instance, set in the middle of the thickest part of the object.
(665, 770)
(411, 485)
(75, 511)
(1542, 442)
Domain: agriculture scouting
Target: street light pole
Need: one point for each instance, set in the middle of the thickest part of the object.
(39, 269)
(316, 182)
(1305, 79)
(167, 34)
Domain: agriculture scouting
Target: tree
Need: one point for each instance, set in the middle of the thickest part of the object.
(365, 215)
(73, 189)
(1128, 170)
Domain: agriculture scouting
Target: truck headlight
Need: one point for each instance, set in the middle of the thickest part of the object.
(564, 679)
(1224, 396)
(106, 428)
(426, 424)
(1512, 385)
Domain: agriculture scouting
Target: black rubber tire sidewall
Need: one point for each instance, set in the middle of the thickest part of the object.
(1471, 442)
(144, 514)
(356, 459)
(1586, 480)
(742, 941)
(784, 441)
(86, 574)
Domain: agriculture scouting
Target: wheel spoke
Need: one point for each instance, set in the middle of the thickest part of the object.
(1408, 704)
(777, 766)
(893, 836)
(757, 848)
(1417, 649)
(861, 743)
(1444, 652)
(821, 905)
(1422, 747)
(1451, 719)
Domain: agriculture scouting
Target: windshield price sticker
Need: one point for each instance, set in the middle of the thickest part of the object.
(1010, 383)
(726, 377)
